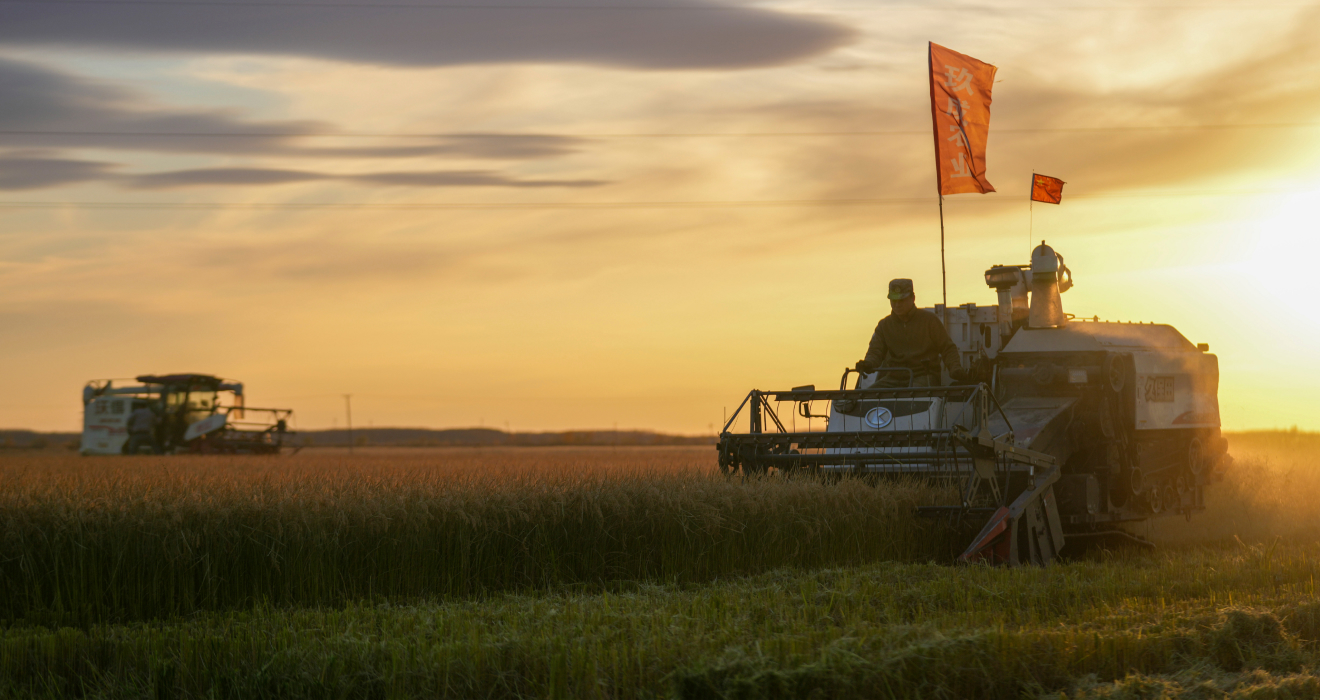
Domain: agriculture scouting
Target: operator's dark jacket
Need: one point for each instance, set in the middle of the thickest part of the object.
(919, 343)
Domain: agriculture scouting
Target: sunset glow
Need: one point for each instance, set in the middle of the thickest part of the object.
(552, 218)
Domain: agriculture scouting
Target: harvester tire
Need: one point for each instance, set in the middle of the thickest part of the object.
(1115, 373)
(1136, 482)
(1172, 500)
(1195, 457)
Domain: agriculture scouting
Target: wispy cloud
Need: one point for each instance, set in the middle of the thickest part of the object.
(29, 171)
(32, 171)
(47, 108)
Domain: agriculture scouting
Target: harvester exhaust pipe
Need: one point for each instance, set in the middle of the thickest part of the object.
(1010, 284)
(1049, 278)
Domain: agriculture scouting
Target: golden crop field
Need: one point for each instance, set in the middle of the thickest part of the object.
(89, 540)
(628, 573)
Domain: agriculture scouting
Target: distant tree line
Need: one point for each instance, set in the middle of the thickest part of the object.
(408, 437)
(488, 437)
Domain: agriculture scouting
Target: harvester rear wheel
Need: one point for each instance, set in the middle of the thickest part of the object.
(1136, 482)
(1171, 499)
(1156, 500)
(1195, 457)
(1115, 374)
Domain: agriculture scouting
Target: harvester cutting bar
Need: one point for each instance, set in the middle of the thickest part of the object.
(914, 446)
(922, 430)
(939, 434)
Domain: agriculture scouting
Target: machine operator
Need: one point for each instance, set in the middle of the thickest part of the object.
(142, 425)
(910, 338)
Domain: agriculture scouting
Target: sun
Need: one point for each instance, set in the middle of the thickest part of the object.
(1283, 258)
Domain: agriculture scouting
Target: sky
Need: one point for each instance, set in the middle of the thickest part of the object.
(581, 214)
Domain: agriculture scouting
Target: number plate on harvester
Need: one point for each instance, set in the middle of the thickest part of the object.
(1158, 388)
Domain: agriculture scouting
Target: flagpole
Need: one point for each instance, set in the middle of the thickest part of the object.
(944, 275)
(1031, 213)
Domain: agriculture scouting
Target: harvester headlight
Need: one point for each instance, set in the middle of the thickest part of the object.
(879, 417)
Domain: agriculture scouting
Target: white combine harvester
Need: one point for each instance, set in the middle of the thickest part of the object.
(1071, 429)
(194, 413)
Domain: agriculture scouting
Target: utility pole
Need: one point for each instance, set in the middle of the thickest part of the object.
(348, 409)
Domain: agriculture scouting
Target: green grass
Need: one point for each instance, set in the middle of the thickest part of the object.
(1186, 621)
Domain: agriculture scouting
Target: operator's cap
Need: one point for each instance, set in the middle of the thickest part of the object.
(900, 289)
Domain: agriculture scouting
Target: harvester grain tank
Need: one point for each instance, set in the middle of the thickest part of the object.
(194, 413)
(1070, 429)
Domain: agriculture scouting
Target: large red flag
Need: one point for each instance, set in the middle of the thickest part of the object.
(1046, 189)
(960, 109)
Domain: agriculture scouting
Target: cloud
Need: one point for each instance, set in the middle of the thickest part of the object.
(325, 257)
(468, 178)
(45, 108)
(35, 170)
(41, 99)
(1104, 137)
(637, 34)
(483, 146)
(273, 176)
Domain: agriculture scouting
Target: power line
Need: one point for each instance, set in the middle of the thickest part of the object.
(786, 203)
(459, 135)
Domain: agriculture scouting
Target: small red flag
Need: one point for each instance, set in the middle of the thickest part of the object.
(1046, 189)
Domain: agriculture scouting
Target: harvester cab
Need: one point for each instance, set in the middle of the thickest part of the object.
(192, 413)
(1069, 429)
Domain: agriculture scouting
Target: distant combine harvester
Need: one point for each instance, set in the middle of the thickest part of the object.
(196, 413)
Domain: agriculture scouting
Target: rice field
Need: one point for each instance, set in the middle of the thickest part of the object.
(629, 573)
(136, 538)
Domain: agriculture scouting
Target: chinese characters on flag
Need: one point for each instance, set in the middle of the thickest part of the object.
(960, 108)
(1046, 189)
